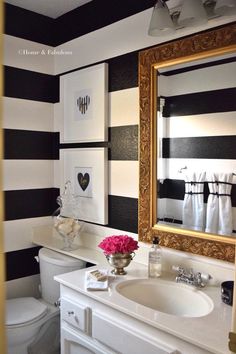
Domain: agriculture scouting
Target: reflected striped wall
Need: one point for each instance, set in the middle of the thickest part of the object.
(200, 129)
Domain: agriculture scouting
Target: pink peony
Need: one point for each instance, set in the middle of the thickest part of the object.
(118, 244)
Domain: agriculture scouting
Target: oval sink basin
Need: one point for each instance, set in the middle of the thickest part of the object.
(167, 296)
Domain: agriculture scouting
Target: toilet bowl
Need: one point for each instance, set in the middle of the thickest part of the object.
(33, 325)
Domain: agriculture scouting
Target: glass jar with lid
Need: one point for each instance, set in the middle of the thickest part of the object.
(65, 218)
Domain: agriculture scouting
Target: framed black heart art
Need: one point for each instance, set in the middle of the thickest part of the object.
(87, 170)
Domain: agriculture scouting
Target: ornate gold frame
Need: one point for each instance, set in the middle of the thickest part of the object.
(214, 42)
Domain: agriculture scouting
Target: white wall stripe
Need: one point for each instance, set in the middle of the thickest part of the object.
(210, 124)
(121, 37)
(22, 287)
(174, 210)
(124, 107)
(58, 117)
(124, 178)
(207, 165)
(201, 80)
(27, 114)
(56, 173)
(27, 174)
(101, 231)
(28, 55)
(18, 233)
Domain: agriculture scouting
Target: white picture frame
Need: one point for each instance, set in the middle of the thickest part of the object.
(87, 169)
(84, 105)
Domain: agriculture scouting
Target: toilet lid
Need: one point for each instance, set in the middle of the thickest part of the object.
(24, 309)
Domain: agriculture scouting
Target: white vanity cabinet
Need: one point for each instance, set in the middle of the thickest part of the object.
(91, 327)
(75, 342)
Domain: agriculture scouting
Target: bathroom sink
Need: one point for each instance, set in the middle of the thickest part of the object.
(167, 296)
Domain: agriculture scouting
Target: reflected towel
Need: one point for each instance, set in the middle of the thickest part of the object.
(193, 206)
(219, 206)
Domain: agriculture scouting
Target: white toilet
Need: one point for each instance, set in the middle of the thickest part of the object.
(33, 325)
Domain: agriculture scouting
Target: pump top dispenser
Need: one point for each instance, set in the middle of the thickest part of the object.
(155, 259)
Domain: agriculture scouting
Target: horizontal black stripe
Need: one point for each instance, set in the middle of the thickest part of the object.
(83, 145)
(198, 66)
(30, 203)
(209, 147)
(171, 188)
(91, 16)
(123, 213)
(21, 263)
(30, 85)
(175, 189)
(200, 103)
(123, 74)
(29, 25)
(95, 15)
(123, 143)
(29, 144)
(169, 220)
(123, 71)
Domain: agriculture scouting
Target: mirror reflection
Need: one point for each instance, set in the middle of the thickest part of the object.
(196, 139)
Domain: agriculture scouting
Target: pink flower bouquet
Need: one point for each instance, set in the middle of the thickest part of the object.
(118, 244)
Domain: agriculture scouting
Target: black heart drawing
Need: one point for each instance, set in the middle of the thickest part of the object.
(83, 180)
(83, 104)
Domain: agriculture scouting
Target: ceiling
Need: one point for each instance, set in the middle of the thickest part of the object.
(51, 8)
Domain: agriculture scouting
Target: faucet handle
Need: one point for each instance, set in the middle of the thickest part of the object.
(178, 269)
(206, 277)
(202, 279)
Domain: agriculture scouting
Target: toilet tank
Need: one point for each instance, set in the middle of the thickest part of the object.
(53, 263)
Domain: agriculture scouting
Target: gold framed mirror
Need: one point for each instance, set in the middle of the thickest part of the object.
(216, 42)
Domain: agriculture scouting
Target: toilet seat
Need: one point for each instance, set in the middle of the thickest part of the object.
(24, 311)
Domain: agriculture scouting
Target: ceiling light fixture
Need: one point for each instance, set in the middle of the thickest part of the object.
(161, 22)
(225, 7)
(192, 14)
(189, 14)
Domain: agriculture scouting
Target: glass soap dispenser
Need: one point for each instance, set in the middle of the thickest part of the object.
(155, 259)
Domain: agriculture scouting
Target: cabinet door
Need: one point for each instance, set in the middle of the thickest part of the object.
(75, 342)
(126, 340)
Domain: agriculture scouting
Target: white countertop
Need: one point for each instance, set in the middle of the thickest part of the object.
(47, 236)
(209, 332)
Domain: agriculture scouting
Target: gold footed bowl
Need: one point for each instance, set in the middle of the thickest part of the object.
(119, 261)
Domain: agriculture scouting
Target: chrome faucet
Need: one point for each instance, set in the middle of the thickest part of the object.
(199, 280)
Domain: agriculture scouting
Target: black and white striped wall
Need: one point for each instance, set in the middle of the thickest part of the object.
(30, 146)
(34, 60)
(200, 130)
